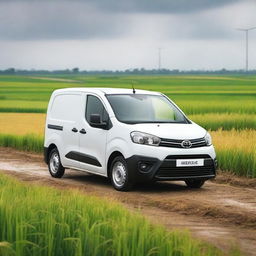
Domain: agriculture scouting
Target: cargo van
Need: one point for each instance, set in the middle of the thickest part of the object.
(130, 136)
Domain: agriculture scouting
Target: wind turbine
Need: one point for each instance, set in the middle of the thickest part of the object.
(246, 30)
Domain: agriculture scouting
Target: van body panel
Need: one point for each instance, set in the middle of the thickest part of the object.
(64, 111)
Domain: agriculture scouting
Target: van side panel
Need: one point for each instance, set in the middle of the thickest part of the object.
(63, 114)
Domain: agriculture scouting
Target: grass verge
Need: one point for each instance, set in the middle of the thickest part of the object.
(28, 142)
(39, 221)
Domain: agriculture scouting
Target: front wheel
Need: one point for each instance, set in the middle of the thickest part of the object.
(54, 165)
(194, 183)
(120, 178)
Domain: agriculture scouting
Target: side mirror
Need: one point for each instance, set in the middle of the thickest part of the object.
(95, 121)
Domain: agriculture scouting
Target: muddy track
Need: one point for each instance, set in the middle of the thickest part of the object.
(224, 215)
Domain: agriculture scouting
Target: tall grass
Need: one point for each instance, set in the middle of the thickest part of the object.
(30, 142)
(40, 221)
(21, 110)
(199, 106)
(236, 151)
(215, 121)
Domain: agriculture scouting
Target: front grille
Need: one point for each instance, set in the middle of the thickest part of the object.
(177, 143)
(168, 168)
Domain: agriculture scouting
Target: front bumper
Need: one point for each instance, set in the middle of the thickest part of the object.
(143, 168)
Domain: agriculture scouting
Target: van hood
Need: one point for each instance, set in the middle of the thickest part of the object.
(172, 131)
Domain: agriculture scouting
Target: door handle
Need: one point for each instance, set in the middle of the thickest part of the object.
(83, 131)
(74, 130)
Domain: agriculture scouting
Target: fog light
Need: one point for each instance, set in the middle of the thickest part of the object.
(143, 166)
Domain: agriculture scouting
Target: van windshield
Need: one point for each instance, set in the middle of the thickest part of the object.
(140, 108)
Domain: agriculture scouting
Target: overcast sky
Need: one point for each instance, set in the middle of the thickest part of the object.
(123, 34)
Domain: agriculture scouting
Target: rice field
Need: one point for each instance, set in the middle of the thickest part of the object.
(194, 94)
(224, 105)
(53, 222)
(56, 222)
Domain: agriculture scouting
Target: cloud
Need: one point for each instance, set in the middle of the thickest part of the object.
(158, 6)
(142, 6)
(43, 20)
(94, 19)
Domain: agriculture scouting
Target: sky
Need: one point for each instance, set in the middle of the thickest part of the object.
(126, 34)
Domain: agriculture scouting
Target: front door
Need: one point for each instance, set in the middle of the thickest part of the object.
(92, 141)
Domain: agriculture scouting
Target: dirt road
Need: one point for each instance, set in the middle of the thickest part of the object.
(221, 214)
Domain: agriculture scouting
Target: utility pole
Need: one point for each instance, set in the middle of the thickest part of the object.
(246, 30)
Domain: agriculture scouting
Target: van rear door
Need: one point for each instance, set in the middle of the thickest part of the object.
(66, 112)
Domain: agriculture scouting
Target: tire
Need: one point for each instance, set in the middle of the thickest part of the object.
(119, 174)
(54, 164)
(194, 183)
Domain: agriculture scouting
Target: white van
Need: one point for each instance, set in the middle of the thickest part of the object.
(127, 135)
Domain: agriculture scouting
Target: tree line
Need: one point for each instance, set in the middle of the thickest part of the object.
(135, 71)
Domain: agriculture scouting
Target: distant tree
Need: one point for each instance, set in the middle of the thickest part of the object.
(9, 71)
(75, 70)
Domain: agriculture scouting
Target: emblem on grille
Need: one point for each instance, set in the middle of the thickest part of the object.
(186, 144)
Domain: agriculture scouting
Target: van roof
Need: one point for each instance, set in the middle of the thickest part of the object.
(107, 90)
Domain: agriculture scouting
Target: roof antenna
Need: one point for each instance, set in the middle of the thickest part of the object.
(133, 90)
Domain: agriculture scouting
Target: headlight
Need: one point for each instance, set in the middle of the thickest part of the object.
(144, 138)
(208, 139)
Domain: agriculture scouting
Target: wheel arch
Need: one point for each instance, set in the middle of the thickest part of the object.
(49, 149)
(111, 158)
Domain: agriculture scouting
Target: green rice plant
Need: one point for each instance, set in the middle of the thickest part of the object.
(22, 110)
(197, 106)
(236, 151)
(22, 106)
(28, 142)
(194, 94)
(40, 221)
(237, 161)
(225, 121)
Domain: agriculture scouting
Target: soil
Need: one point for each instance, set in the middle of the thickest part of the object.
(222, 212)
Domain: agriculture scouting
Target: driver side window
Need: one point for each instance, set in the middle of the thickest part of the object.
(95, 106)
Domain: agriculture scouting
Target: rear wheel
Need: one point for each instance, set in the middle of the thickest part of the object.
(194, 183)
(54, 164)
(119, 174)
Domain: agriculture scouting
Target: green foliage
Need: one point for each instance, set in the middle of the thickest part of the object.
(225, 121)
(43, 221)
(237, 161)
(29, 142)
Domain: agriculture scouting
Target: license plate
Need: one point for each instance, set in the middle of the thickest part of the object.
(189, 162)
